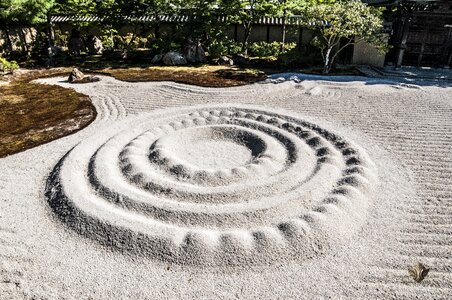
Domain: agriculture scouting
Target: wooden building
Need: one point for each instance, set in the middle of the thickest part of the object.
(421, 33)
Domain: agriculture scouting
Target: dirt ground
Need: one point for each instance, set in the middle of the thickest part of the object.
(32, 114)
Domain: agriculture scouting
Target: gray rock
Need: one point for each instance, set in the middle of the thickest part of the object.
(75, 46)
(174, 58)
(157, 59)
(76, 76)
(200, 54)
(95, 45)
(91, 79)
(240, 60)
(52, 51)
(194, 52)
(190, 53)
(224, 60)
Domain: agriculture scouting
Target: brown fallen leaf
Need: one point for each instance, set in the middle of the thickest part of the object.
(418, 272)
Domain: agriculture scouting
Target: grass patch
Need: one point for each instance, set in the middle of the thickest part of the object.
(32, 114)
(205, 75)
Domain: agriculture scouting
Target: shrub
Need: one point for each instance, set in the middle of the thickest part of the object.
(8, 66)
(40, 47)
(234, 48)
(107, 38)
(264, 49)
(165, 44)
(219, 48)
(61, 38)
(306, 57)
(129, 41)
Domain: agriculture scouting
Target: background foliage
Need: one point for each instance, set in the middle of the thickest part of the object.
(336, 24)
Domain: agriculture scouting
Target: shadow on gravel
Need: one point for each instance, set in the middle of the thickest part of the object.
(410, 82)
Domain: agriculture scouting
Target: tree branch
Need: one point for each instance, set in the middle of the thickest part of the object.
(342, 48)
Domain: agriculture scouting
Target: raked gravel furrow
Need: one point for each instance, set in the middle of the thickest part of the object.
(427, 124)
(433, 159)
(412, 124)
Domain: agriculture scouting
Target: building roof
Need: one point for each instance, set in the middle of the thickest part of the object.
(292, 20)
(395, 2)
(380, 2)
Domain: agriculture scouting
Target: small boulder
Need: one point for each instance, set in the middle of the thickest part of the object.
(114, 54)
(224, 60)
(194, 52)
(200, 54)
(95, 45)
(190, 52)
(76, 76)
(91, 78)
(240, 59)
(157, 59)
(174, 58)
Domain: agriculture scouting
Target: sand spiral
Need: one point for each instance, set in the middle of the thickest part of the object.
(222, 185)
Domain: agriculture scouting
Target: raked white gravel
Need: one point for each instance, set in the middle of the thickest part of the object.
(296, 188)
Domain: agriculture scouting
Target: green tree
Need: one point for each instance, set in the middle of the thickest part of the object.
(22, 12)
(349, 21)
(248, 12)
(115, 11)
(203, 21)
(78, 7)
(287, 8)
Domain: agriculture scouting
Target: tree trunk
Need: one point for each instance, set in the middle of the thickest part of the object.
(134, 36)
(327, 61)
(8, 40)
(50, 32)
(283, 36)
(283, 31)
(23, 37)
(157, 30)
(246, 38)
(157, 27)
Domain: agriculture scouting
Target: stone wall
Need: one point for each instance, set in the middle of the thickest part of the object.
(21, 38)
(365, 54)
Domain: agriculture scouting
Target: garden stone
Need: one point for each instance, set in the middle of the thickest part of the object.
(75, 46)
(195, 53)
(115, 54)
(190, 53)
(95, 45)
(91, 79)
(240, 60)
(200, 54)
(174, 58)
(76, 75)
(224, 60)
(157, 59)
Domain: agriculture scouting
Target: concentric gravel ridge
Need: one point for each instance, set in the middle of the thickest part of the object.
(215, 185)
